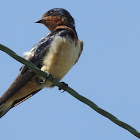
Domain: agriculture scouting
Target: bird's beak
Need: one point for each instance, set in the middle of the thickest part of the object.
(39, 21)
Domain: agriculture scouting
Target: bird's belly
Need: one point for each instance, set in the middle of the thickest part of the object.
(58, 66)
(59, 60)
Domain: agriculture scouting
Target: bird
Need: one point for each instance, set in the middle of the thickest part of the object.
(54, 54)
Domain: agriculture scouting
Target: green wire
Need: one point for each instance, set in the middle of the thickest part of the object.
(71, 91)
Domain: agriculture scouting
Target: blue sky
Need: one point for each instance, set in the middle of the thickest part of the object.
(108, 72)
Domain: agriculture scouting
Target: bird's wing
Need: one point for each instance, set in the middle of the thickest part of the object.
(81, 46)
(35, 56)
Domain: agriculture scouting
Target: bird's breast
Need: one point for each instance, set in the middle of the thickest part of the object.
(61, 57)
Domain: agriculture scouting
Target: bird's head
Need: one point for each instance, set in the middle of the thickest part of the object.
(57, 17)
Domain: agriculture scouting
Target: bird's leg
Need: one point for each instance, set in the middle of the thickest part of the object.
(42, 80)
(63, 86)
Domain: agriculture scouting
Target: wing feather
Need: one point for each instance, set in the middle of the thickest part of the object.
(37, 53)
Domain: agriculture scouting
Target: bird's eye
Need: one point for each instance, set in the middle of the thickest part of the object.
(51, 12)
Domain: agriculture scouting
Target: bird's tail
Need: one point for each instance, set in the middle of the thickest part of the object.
(23, 87)
(4, 108)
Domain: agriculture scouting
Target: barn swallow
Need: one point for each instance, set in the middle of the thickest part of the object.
(55, 54)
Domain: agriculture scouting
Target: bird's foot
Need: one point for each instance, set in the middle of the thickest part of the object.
(63, 86)
(42, 80)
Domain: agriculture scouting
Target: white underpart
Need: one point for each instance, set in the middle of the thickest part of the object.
(61, 57)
